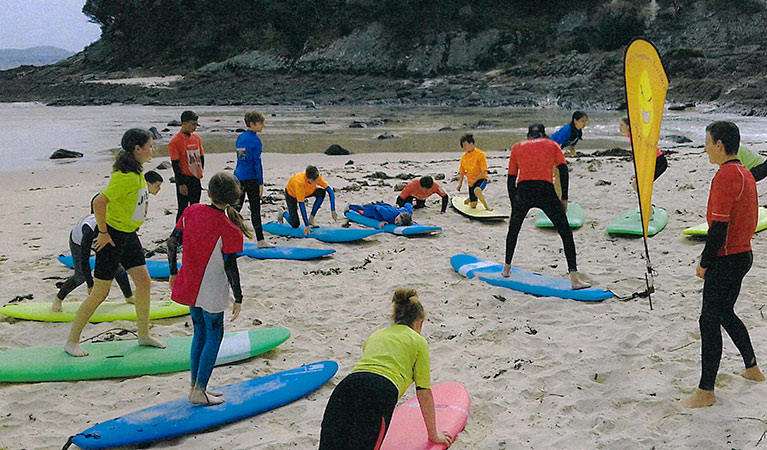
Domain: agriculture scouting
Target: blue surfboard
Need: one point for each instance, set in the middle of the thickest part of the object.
(179, 417)
(297, 253)
(523, 280)
(157, 269)
(410, 230)
(325, 234)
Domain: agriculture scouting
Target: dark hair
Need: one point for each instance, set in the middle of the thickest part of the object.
(253, 117)
(578, 115)
(626, 121)
(225, 189)
(728, 133)
(406, 219)
(536, 130)
(126, 161)
(92, 199)
(188, 116)
(312, 172)
(407, 308)
(468, 137)
(153, 177)
(427, 182)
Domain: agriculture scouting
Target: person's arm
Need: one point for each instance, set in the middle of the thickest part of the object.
(176, 165)
(445, 201)
(564, 179)
(426, 402)
(233, 275)
(760, 172)
(717, 235)
(302, 206)
(661, 164)
(85, 253)
(332, 195)
(174, 241)
(100, 211)
(511, 187)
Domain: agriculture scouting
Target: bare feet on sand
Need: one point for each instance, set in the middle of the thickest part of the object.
(264, 244)
(56, 304)
(506, 271)
(200, 397)
(577, 282)
(753, 373)
(75, 349)
(699, 399)
(148, 341)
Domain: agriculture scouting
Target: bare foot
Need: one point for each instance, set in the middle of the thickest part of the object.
(75, 350)
(214, 393)
(281, 217)
(699, 399)
(473, 205)
(56, 304)
(264, 244)
(200, 397)
(130, 300)
(487, 208)
(753, 373)
(576, 282)
(466, 202)
(506, 271)
(312, 221)
(149, 341)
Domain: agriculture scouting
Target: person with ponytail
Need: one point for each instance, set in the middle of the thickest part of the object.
(119, 211)
(212, 235)
(360, 408)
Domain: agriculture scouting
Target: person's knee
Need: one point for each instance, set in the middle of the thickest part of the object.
(709, 321)
(294, 222)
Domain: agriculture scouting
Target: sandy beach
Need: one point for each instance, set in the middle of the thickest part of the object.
(543, 373)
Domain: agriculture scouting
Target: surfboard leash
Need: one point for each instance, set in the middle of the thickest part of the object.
(121, 332)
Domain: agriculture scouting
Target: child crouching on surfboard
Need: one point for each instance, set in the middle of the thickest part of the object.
(360, 408)
(211, 242)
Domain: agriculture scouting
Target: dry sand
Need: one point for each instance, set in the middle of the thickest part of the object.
(542, 372)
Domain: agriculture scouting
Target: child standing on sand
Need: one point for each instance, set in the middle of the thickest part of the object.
(120, 210)
(211, 242)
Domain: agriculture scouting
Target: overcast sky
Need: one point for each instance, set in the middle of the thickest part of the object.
(58, 23)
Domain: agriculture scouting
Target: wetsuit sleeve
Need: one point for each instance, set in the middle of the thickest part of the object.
(760, 172)
(85, 253)
(717, 235)
(445, 201)
(233, 275)
(564, 179)
(202, 158)
(332, 195)
(177, 171)
(259, 172)
(661, 164)
(174, 241)
(511, 185)
(302, 205)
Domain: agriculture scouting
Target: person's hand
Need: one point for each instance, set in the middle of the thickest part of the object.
(564, 206)
(183, 190)
(381, 225)
(460, 183)
(334, 215)
(260, 190)
(700, 272)
(102, 241)
(307, 230)
(172, 281)
(236, 308)
(633, 183)
(442, 437)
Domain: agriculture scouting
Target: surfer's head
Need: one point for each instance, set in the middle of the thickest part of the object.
(224, 191)
(536, 130)
(580, 119)
(467, 142)
(403, 219)
(407, 309)
(724, 133)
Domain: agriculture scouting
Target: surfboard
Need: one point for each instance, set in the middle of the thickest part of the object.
(575, 217)
(325, 234)
(106, 312)
(179, 417)
(156, 268)
(630, 222)
(126, 358)
(523, 280)
(407, 430)
(294, 253)
(410, 230)
(478, 213)
(702, 229)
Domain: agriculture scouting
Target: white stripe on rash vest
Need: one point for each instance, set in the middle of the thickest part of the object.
(477, 265)
(233, 347)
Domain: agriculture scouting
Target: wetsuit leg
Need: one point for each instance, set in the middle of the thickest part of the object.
(518, 213)
(71, 283)
(547, 200)
(208, 333)
(401, 201)
(358, 413)
(183, 200)
(294, 217)
(121, 277)
(195, 190)
(720, 292)
(661, 164)
(251, 188)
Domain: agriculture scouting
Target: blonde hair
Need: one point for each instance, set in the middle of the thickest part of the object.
(407, 308)
(225, 189)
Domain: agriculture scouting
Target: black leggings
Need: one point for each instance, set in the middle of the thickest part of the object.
(358, 413)
(721, 287)
(193, 193)
(661, 164)
(251, 188)
(539, 194)
(294, 215)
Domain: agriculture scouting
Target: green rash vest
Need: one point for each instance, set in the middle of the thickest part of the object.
(399, 354)
(749, 158)
(128, 195)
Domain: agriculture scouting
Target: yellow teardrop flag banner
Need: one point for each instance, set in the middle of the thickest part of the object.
(646, 87)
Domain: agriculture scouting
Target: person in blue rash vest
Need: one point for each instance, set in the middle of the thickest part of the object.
(250, 172)
(570, 134)
(386, 213)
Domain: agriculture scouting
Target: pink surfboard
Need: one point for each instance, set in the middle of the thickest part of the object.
(407, 430)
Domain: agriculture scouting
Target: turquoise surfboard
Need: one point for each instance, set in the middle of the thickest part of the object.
(326, 234)
(630, 222)
(575, 217)
(156, 268)
(410, 230)
(291, 253)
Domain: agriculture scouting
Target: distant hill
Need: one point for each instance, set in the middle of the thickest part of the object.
(36, 56)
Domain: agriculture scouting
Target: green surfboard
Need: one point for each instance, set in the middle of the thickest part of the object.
(106, 312)
(575, 217)
(126, 358)
(702, 229)
(631, 223)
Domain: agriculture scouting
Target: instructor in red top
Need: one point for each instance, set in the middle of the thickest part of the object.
(188, 160)
(529, 182)
(732, 215)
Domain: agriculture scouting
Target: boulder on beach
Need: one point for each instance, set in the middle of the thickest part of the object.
(63, 153)
(388, 136)
(163, 165)
(155, 134)
(174, 123)
(336, 149)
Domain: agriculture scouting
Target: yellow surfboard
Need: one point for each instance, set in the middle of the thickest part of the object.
(478, 213)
